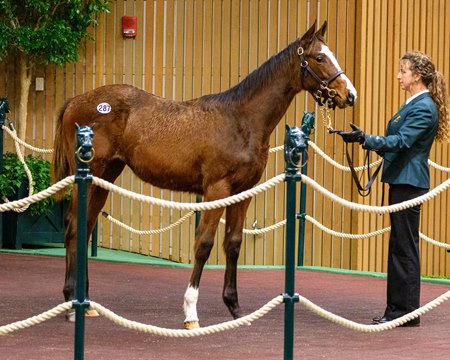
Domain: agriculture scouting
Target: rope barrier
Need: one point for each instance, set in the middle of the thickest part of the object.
(270, 228)
(359, 168)
(336, 164)
(374, 328)
(24, 144)
(228, 325)
(376, 209)
(210, 205)
(147, 232)
(60, 185)
(246, 320)
(47, 315)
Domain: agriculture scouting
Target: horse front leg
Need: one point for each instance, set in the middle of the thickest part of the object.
(235, 217)
(204, 241)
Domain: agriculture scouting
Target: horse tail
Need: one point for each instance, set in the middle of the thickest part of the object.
(60, 162)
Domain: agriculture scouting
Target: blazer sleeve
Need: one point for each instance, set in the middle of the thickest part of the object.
(416, 123)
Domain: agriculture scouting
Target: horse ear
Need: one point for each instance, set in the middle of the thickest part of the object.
(323, 29)
(287, 128)
(310, 31)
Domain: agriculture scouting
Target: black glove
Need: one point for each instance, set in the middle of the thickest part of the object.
(357, 135)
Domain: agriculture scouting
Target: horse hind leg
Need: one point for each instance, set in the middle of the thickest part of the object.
(235, 217)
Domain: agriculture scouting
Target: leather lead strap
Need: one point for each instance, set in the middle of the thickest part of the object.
(363, 190)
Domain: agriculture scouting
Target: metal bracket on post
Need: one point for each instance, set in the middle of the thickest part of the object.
(294, 144)
(84, 154)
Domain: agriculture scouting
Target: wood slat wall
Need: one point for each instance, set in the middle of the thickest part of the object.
(188, 48)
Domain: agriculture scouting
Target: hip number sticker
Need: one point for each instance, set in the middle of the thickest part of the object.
(104, 108)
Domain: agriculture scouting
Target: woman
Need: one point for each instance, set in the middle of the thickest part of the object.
(405, 149)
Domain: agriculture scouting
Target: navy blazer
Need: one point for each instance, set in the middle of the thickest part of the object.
(407, 143)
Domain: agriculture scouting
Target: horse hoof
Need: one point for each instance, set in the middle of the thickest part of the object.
(91, 313)
(70, 315)
(189, 325)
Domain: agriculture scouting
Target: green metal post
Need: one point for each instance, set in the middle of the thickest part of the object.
(307, 126)
(289, 296)
(294, 144)
(4, 109)
(83, 155)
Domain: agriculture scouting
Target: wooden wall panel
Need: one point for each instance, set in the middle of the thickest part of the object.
(188, 48)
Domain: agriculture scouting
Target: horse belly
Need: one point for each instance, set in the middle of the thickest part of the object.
(165, 172)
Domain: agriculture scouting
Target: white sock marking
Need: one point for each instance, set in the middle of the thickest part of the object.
(190, 304)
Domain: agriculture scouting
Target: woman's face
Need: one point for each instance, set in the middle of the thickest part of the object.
(405, 76)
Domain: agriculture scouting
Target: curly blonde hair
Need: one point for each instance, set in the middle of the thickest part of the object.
(422, 64)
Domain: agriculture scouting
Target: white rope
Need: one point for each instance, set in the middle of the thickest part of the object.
(336, 164)
(434, 242)
(25, 167)
(181, 220)
(47, 315)
(439, 167)
(370, 234)
(228, 325)
(148, 232)
(359, 168)
(374, 328)
(345, 235)
(210, 205)
(24, 144)
(275, 149)
(262, 230)
(376, 209)
(38, 196)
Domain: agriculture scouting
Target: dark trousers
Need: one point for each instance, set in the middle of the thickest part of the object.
(403, 278)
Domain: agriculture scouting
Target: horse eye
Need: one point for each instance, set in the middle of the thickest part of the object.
(320, 59)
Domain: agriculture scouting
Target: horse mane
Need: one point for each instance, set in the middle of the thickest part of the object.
(259, 78)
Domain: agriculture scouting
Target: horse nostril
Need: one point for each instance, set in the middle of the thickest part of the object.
(351, 99)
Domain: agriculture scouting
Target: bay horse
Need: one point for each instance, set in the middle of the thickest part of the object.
(215, 145)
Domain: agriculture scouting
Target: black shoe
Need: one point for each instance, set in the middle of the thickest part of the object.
(383, 320)
(376, 319)
(380, 320)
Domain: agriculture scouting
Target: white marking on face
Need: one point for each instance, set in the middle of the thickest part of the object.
(325, 50)
(190, 304)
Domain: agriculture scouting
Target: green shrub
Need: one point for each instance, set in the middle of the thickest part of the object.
(13, 175)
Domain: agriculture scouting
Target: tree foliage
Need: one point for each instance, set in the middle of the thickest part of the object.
(47, 31)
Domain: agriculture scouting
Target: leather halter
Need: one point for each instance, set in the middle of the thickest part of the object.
(318, 96)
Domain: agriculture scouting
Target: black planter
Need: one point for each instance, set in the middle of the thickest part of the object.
(24, 228)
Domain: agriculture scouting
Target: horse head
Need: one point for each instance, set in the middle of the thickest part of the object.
(321, 74)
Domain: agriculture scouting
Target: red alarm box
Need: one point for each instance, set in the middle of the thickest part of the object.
(129, 26)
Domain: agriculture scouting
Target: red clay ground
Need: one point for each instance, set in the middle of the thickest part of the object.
(153, 295)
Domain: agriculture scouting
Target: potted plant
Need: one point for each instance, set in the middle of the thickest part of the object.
(42, 222)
